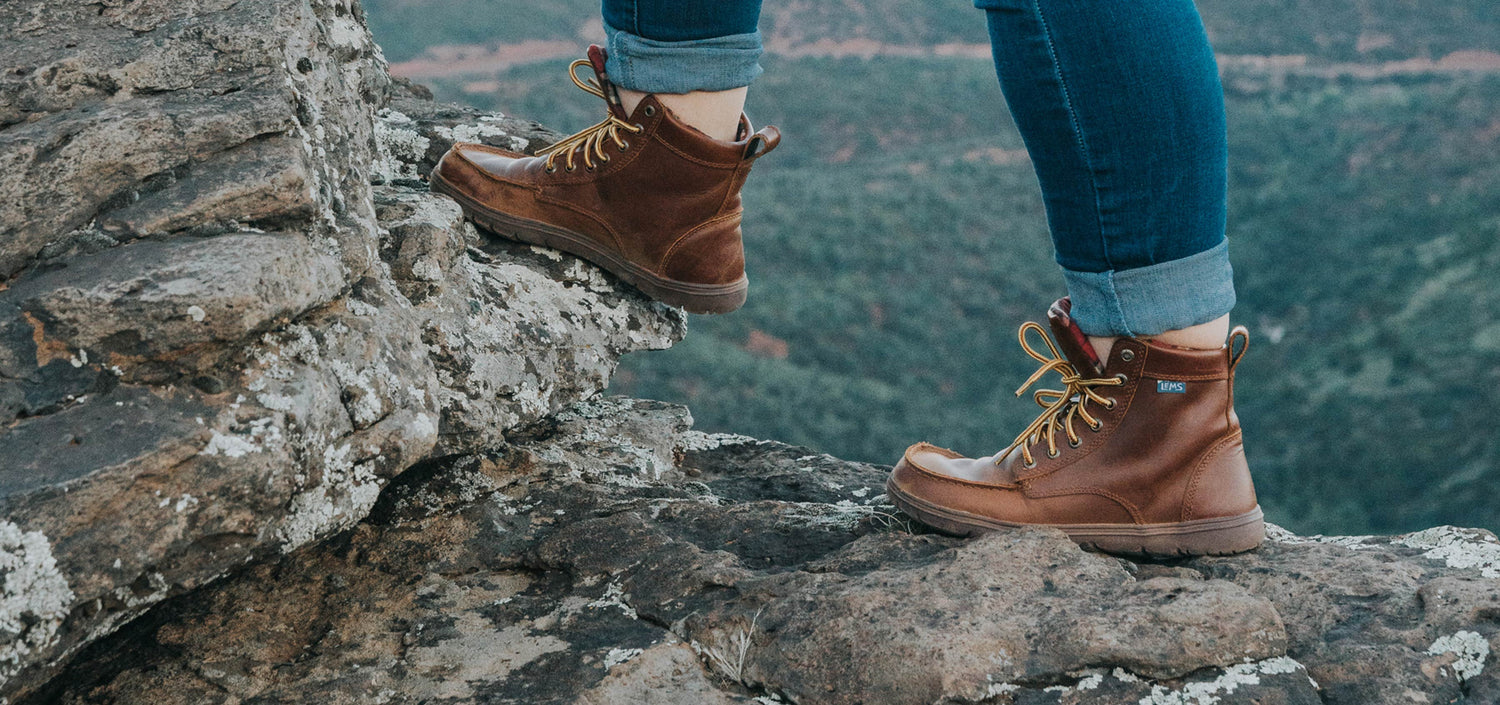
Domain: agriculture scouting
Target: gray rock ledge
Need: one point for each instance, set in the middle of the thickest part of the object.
(612, 554)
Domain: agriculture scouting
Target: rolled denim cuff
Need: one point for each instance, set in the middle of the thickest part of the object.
(651, 66)
(1152, 300)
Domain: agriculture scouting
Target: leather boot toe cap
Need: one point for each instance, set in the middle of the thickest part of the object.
(941, 463)
(466, 160)
(956, 494)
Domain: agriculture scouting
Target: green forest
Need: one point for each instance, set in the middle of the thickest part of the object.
(897, 240)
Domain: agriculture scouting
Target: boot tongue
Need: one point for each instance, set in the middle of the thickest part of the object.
(611, 94)
(1071, 340)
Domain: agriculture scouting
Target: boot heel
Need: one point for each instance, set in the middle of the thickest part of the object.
(692, 296)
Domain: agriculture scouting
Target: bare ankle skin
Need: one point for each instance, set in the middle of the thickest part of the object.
(716, 113)
(1204, 336)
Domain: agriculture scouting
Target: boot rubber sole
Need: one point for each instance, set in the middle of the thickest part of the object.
(695, 297)
(1218, 536)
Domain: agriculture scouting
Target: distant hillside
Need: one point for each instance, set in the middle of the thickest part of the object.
(1374, 30)
(897, 240)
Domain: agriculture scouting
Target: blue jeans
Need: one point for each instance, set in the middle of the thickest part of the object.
(672, 46)
(1120, 107)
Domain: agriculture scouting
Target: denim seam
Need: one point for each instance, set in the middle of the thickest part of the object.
(1114, 298)
(628, 62)
(1083, 144)
(625, 68)
(635, 28)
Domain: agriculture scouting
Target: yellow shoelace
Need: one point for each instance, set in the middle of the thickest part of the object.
(1059, 407)
(590, 139)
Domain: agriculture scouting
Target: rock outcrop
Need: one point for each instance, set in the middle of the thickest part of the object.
(223, 328)
(611, 554)
(278, 426)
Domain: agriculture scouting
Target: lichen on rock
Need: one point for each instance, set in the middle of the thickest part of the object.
(1458, 547)
(34, 599)
(1470, 651)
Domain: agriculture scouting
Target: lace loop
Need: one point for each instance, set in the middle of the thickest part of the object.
(591, 140)
(1059, 406)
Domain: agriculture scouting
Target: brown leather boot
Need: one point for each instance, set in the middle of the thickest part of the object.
(1141, 454)
(644, 196)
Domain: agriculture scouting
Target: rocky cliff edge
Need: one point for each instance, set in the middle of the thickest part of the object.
(279, 427)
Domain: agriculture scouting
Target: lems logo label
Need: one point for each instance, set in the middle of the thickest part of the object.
(1167, 387)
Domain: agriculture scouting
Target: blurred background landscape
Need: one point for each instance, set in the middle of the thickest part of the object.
(897, 239)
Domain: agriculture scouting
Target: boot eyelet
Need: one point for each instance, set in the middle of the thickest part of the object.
(1095, 427)
(1075, 444)
(624, 146)
(1127, 354)
(650, 110)
(1109, 403)
(1053, 454)
(551, 169)
(1122, 377)
(572, 169)
(1029, 465)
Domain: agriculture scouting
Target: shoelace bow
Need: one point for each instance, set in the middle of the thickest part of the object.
(590, 139)
(1059, 407)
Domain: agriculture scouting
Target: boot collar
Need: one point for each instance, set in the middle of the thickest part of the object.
(749, 144)
(1162, 360)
